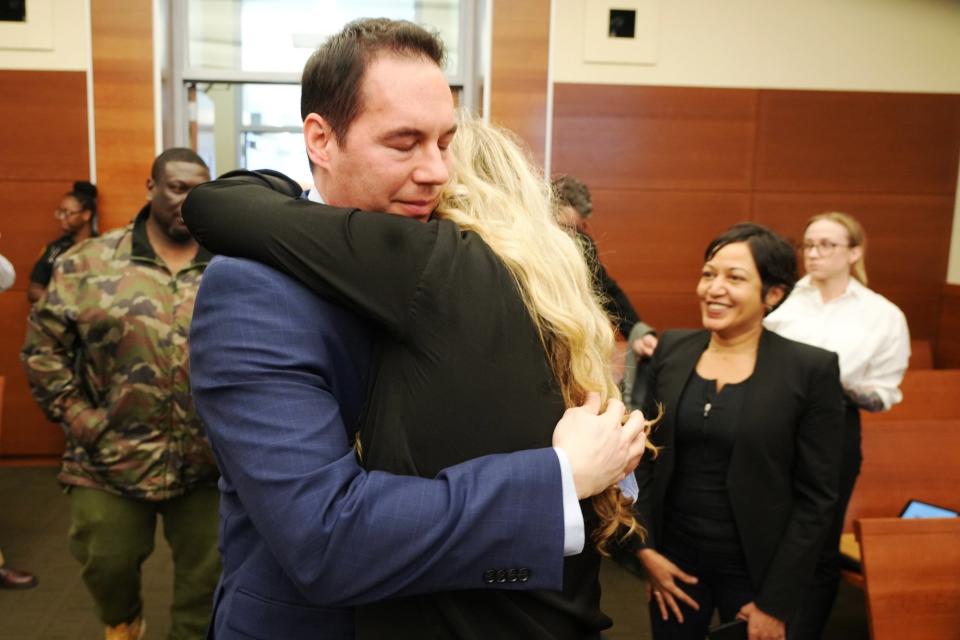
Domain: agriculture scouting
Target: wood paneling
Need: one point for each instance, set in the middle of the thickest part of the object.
(901, 230)
(27, 222)
(948, 334)
(661, 232)
(28, 225)
(43, 150)
(43, 115)
(123, 105)
(672, 166)
(869, 142)
(921, 355)
(911, 572)
(927, 395)
(908, 242)
(903, 460)
(654, 137)
(25, 429)
(518, 69)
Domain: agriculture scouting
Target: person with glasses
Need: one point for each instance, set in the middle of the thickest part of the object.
(77, 214)
(831, 307)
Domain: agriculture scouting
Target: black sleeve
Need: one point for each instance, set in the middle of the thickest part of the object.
(815, 476)
(644, 507)
(43, 270)
(615, 302)
(369, 262)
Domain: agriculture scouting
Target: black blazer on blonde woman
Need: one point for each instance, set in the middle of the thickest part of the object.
(783, 473)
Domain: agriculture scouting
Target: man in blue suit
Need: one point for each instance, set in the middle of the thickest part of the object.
(280, 376)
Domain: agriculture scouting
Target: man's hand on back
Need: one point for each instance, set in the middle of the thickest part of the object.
(600, 450)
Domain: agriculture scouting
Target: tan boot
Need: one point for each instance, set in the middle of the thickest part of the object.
(128, 631)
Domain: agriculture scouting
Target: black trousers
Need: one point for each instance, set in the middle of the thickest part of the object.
(723, 585)
(816, 606)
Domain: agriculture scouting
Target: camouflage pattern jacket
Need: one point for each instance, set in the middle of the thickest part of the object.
(106, 357)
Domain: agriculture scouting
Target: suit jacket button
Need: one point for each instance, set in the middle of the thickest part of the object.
(489, 576)
(512, 575)
(523, 574)
(501, 576)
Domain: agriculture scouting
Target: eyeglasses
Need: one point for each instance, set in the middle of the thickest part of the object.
(60, 214)
(825, 247)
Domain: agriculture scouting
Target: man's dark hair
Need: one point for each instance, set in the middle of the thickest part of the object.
(332, 77)
(775, 258)
(571, 191)
(175, 154)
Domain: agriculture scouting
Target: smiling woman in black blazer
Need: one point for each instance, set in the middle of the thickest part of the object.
(738, 501)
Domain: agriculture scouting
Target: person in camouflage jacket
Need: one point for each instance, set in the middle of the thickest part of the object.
(106, 356)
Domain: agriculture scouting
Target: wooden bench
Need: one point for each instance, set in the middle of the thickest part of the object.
(921, 355)
(906, 460)
(912, 577)
(911, 568)
(927, 394)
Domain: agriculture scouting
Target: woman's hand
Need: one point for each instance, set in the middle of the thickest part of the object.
(663, 585)
(761, 626)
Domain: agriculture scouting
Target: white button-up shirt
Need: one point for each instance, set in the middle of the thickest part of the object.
(867, 331)
(7, 274)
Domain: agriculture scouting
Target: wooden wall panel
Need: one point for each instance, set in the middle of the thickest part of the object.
(908, 238)
(43, 150)
(648, 153)
(652, 243)
(27, 222)
(43, 117)
(518, 69)
(25, 429)
(654, 137)
(123, 105)
(947, 354)
(872, 142)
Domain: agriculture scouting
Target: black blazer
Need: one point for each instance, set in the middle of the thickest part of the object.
(784, 468)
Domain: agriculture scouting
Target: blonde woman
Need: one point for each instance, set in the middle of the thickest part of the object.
(831, 307)
(491, 328)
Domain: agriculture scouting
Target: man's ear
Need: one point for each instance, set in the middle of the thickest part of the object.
(150, 185)
(319, 139)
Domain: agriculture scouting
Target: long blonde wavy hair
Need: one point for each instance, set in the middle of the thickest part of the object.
(495, 192)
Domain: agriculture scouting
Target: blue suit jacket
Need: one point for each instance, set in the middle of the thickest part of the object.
(279, 377)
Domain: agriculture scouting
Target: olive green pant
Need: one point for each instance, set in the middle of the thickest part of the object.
(111, 536)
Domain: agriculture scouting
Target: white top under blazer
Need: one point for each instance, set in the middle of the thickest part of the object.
(868, 333)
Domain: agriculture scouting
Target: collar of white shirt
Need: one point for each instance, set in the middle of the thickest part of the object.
(854, 288)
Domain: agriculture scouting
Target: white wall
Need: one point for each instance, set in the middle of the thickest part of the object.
(64, 24)
(868, 45)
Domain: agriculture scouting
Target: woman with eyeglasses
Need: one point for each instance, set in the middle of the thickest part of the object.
(742, 492)
(831, 307)
(77, 214)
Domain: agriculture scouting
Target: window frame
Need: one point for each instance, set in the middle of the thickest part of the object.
(179, 76)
